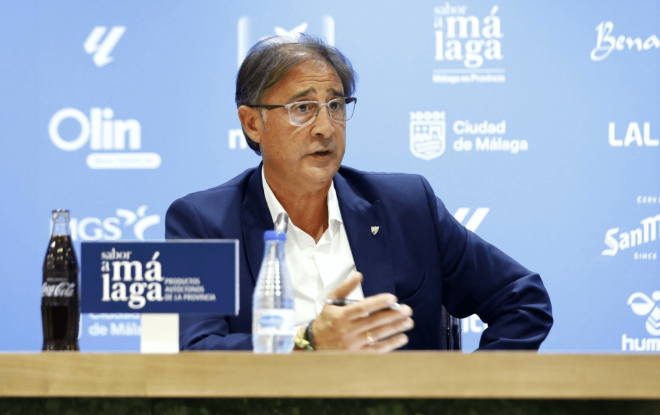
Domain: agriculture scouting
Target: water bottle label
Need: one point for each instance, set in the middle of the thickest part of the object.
(278, 322)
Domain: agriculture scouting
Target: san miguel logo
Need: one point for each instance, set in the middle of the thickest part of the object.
(620, 241)
(427, 134)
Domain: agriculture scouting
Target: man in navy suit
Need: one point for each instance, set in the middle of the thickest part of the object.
(373, 237)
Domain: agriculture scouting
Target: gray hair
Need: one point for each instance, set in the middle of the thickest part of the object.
(270, 59)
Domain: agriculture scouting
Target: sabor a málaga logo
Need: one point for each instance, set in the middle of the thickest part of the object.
(142, 287)
(127, 280)
(643, 305)
(464, 43)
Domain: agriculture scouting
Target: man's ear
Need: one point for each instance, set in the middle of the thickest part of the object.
(251, 121)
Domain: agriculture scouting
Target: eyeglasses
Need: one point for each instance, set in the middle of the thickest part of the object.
(303, 113)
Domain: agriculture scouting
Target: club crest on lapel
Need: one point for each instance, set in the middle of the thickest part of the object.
(374, 230)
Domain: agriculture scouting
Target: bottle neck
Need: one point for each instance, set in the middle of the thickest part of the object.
(274, 249)
(61, 226)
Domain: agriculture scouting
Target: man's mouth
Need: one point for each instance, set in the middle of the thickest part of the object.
(321, 153)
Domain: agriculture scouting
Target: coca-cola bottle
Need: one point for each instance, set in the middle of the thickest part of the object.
(60, 299)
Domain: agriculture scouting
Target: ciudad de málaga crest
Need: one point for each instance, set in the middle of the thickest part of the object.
(427, 134)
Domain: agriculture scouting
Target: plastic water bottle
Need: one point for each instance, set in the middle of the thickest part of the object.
(273, 301)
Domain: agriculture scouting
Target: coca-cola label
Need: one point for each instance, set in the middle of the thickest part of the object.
(63, 289)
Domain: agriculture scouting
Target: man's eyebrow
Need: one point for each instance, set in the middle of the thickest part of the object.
(333, 91)
(301, 94)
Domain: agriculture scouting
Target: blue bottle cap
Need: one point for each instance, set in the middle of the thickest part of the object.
(274, 236)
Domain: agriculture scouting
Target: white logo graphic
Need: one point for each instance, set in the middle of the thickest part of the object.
(473, 324)
(461, 38)
(633, 135)
(642, 305)
(63, 289)
(104, 133)
(110, 229)
(647, 233)
(102, 50)
(132, 274)
(643, 200)
(427, 134)
(125, 281)
(245, 41)
(118, 328)
(489, 137)
(475, 220)
(293, 33)
(236, 138)
(606, 43)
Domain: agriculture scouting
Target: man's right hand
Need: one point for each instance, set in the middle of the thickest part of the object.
(368, 325)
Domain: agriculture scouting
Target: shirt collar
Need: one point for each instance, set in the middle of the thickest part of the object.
(275, 207)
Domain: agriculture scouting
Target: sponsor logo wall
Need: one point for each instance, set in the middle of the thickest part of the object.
(543, 139)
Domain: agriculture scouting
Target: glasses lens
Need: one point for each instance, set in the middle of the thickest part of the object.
(302, 112)
(341, 109)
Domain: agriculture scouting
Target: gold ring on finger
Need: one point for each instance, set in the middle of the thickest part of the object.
(370, 338)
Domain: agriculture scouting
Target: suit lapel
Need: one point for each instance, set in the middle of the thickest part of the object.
(370, 252)
(255, 220)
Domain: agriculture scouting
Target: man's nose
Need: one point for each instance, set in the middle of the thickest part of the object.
(323, 125)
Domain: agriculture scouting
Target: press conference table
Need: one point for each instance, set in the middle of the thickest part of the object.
(499, 375)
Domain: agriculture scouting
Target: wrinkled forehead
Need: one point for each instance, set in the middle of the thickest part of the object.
(293, 61)
(312, 76)
(304, 73)
(300, 55)
(311, 68)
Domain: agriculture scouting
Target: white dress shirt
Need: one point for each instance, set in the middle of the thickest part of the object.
(315, 268)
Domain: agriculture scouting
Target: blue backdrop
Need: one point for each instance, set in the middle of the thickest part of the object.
(537, 123)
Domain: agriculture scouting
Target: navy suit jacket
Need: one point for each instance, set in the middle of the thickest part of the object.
(421, 254)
